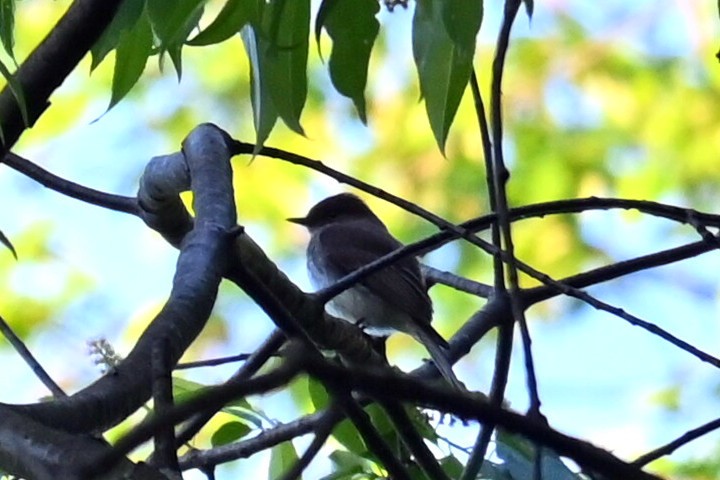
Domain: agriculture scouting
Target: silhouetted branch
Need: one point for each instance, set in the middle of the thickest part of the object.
(50, 64)
(619, 269)
(71, 189)
(267, 438)
(30, 359)
(212, 398)
(201, 264)
(322, 430)
(684, 439)
(470, 406)
(269, 347)
(165, 455)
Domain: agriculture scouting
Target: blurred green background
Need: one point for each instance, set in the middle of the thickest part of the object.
(619, 99)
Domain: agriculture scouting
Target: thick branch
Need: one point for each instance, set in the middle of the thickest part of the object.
(32, 450)
(471, 406)
(201, 264)
(51, 62)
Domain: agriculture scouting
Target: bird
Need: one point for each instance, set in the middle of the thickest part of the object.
(346, 235)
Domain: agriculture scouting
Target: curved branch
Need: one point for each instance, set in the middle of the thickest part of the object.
(201, 265)
(33, 450)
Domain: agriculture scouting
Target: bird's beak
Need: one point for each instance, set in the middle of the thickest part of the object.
(299, 221)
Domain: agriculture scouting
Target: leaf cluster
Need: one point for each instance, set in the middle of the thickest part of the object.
(276, 36)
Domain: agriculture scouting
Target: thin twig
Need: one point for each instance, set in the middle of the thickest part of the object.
(462, 284)
(500, 378)
(412, 439)
(253, 364)
(372, 438)
(490, 177)
(30, 359)
(264, 440)
(503, 352)
(684, 439)
(323, 429)
(210, 398)
(66, 187)
(615, 270)
(213, 362)
(501, 178)
(471, 406)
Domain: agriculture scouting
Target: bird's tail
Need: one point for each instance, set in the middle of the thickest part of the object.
(426, 335)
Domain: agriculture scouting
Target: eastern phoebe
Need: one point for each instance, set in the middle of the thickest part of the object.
(346, 235)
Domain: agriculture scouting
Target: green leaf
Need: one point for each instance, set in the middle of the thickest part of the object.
(443, 66)
(17, 92)
(348, 464)
(326, 6)
(348, 436)
(248, 414)
(421, 423)
(126, 17)
(7, 26)
(174, 48)
(229, 433)
(170, 23)
(518, 455)
(278, 51)
(353, 28)
(284, 51)
(452, 466)
(318, 394)
(130, 59)
(5, 241)
(242, 409)
(184, 389)
(345, 431)
(264, 112)
(234, 15)
(172, 26)
(282, 457)
(462, 19)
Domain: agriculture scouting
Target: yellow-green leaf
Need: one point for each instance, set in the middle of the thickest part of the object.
(282, 458)
(229, 433)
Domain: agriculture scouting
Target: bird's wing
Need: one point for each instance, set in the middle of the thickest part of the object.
(400, 284)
